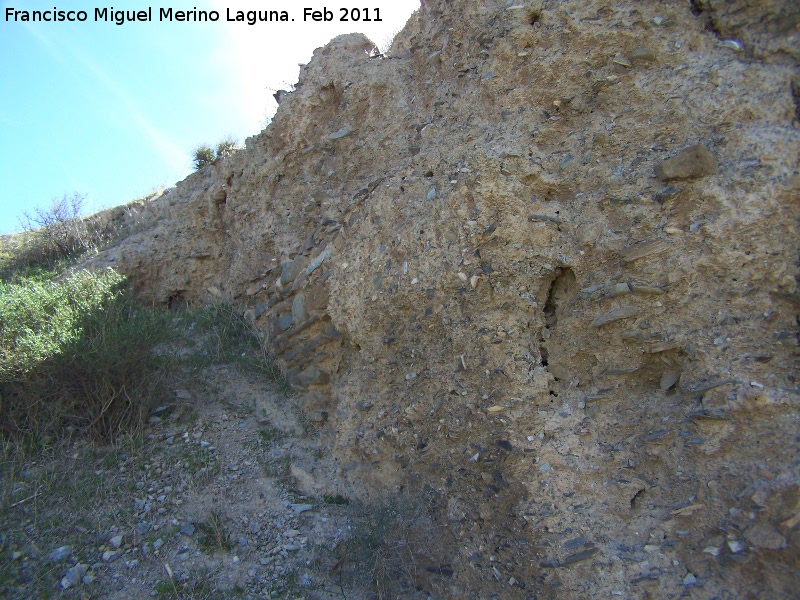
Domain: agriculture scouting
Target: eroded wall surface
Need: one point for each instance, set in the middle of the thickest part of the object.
(539, 266)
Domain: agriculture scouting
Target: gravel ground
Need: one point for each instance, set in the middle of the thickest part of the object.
(229, 493)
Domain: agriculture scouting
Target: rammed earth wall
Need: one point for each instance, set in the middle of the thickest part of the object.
(540, 264)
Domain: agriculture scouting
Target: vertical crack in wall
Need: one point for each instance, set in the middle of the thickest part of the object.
(562, 290)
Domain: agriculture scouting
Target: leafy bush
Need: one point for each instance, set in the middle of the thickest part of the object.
(203, 156)
(226, 148)
(77, 353)
(39, 318)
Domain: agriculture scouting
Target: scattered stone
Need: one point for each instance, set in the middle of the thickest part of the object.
(110, 556)
(115, 542)
(60, 554)
(690, 579)
(188, 529)
(735, 546)
(301, 508)
(73, 576)
(157, 544)
(692, 163)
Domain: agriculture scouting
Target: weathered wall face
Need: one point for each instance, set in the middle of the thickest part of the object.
(465, 260)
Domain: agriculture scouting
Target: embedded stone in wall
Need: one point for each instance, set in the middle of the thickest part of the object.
(290, 270)
(692, 163)
(284, 322)
(312, 375)
(299, 312)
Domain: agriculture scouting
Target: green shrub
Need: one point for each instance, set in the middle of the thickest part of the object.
(38, 319)
(226, 148)
(77, 353)
(203, 156)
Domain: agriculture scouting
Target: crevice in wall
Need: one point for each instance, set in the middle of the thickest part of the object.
(562, 289)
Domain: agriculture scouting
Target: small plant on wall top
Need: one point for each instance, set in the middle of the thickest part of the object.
(205, 155)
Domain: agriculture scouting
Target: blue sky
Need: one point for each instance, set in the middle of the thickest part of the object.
(114, 112)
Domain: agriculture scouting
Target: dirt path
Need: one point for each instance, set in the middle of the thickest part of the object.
(230, 494)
